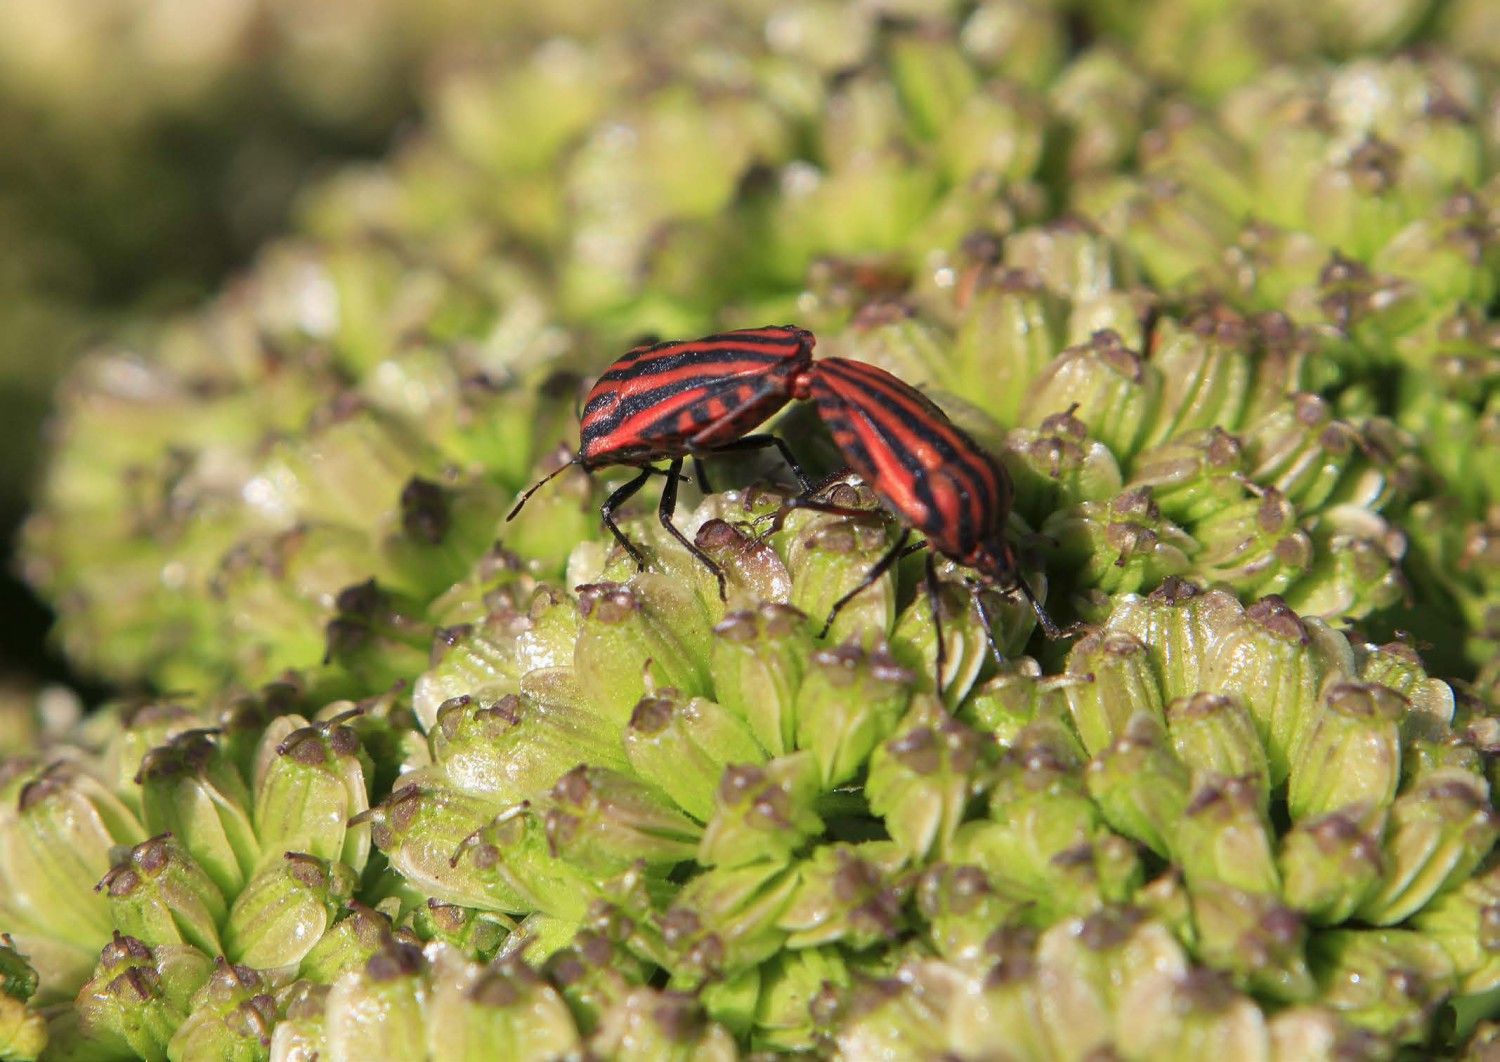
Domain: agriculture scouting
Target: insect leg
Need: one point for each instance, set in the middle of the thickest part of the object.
(664, 513)
(1049, 628)
(620, 496)
(884, 564)
(930, 585)
(762, 442)
(985, 619)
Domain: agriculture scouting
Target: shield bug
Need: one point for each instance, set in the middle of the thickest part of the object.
(686, 398)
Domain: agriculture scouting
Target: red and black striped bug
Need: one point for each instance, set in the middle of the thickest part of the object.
(930, 473)
(686, 398)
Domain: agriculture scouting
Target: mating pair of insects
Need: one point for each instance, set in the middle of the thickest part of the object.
(702, 397)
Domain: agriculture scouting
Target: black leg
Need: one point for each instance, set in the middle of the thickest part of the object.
(664, 513)
(765, 441)
(1050, 629)
(619, 497)
(701, 474)
(815, 505)
(934, 602)
(879, 568)
(976, 595)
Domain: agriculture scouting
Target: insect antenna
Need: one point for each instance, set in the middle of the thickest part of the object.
(537, 485)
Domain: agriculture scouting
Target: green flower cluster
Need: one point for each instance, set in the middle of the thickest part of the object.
(433, 783)
(642, 821)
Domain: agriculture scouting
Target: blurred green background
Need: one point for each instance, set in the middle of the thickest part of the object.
(146, 148)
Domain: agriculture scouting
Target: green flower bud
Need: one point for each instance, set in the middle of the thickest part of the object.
(966, 643)
(1331, 863)
(1253, 938)
(1112, 682)
(728, 919)
(242, 719)
(1466, 922)
(57, 826)
(511, 865)
(1349, 206)
(1277, 664)
(358, 933)
(1440, 830)
(1122, 546)
(849, 701)
(1073, 259)
(1044, 842)
(158, 895)
(672, 1026)
(1356, 570)
(1301, 450)
(753, 570)
(1205, 372)
(962, 910)
(302, 1032)
(1370, 311)
(762, 813)
(284, 909)
(419, 827)
(904, 1015)
(933, 80)
(1192, 477)
(377, 635)
(1140, 787)
(828, 556)
(1009, 328)
(393, 984)
(280, 591)
(138, 996)
(23, 1030)
(231, 1018)
(1397, 666)
(682, 747)
(1290, 359)
(1095, 968)
(594, 971)
(921, 781)
(142, 728)
(310, 781)
(1320, 1033)
(191, 790)
(504, 1010)
(1254, 545)
(514, 748)
(626, 629)
(1351, 751)
(997, 130)
(758, 661)
(1387, 981)
(472, 933)
(842, 897)
(790, 983)
(1225, 835)
(1179, 624)
(1189, 1014)
(1214, 735)
(1057, 466)
(1013, 700)
(1115, 392)
(603, 821)
(443, 527)
(1103, 97)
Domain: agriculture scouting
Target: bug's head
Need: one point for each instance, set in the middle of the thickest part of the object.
(996, 560)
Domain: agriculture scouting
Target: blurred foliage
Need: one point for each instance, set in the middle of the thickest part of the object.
(1218, 281)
